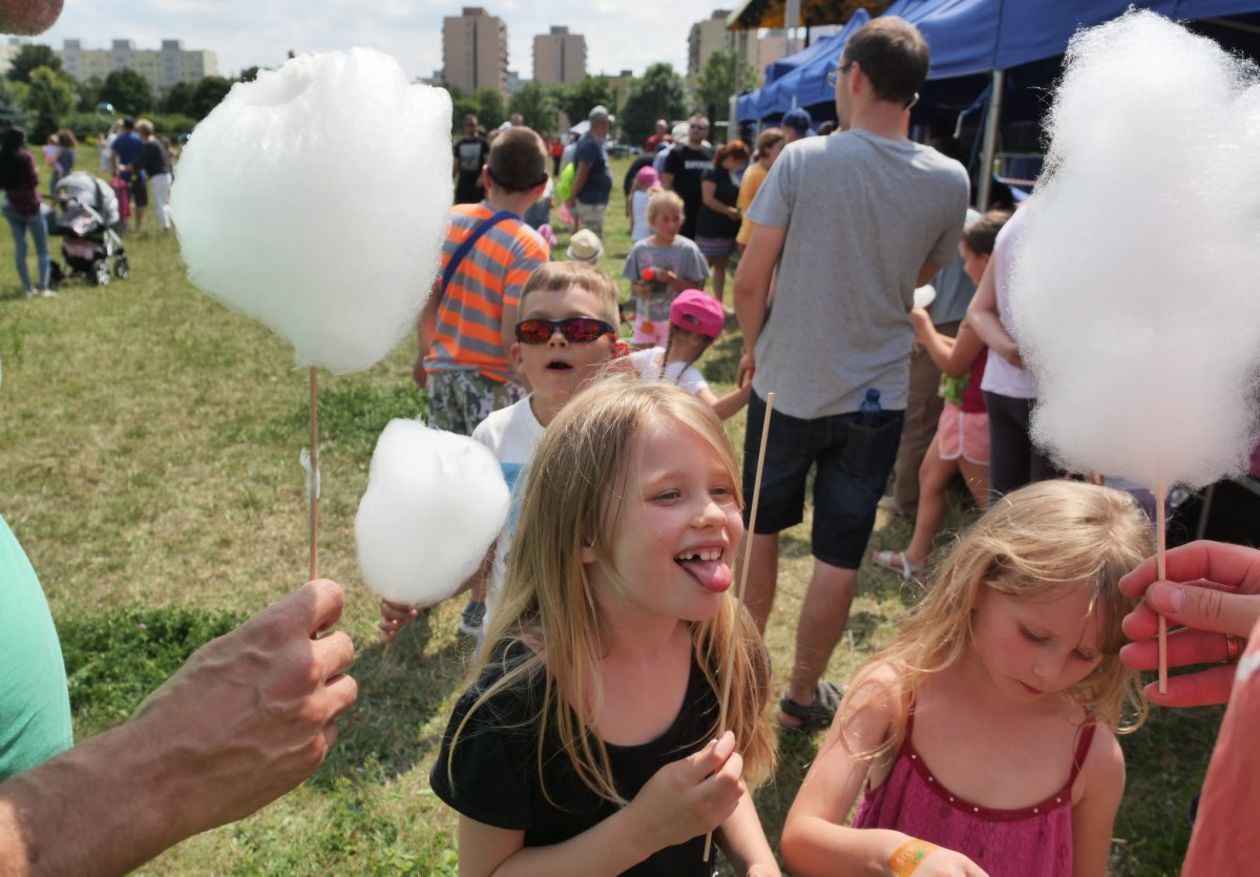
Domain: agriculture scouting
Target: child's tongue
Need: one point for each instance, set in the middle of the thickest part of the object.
(713, 575)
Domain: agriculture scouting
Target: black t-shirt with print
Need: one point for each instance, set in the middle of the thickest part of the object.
(494, 778)
(688, 165)
(471, 153)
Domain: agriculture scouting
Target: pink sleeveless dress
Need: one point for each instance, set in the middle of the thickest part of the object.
(1031, 842)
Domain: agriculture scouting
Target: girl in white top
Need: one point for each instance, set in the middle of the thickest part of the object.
(695, 321)
(644, 182)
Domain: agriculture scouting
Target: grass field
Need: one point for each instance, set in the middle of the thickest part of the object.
(149, 445)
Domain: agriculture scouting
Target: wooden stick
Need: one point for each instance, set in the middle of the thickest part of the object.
(1161, 572)
(723, 703)
(313, 485)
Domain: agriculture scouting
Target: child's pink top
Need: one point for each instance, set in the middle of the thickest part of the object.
(1033, 842)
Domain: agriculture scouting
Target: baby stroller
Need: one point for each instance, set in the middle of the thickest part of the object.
(87, 219)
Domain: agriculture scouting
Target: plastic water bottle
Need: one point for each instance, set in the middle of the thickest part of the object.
(870, 407)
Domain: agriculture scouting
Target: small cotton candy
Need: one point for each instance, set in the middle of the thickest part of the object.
(1134, 283)
(434, 503)
(924, 296)
(315, 199)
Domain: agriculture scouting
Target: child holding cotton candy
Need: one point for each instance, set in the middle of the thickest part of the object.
(984, 736)
(961, 442)
(661, 266)
(565, 334)
(589, 742)
(695, 321)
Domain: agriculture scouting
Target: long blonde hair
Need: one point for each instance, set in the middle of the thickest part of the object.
(1036, 543)
(571, 500)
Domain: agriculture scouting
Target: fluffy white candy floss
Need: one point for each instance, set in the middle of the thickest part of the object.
(1135, 280)
(312, 200)
(435, 502)
(924, 296)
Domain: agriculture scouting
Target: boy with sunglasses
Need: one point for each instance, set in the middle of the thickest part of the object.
(566, 333)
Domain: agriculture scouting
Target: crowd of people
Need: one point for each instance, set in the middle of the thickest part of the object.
(983, 740)
(620, 703)
(138, 163)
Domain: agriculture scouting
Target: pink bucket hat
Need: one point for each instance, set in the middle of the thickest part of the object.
(699, 312)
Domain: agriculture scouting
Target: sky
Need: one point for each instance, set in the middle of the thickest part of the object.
(620, 34)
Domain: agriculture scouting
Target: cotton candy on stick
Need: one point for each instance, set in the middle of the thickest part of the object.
(435, 502)
(1134, 289)
(311, 200)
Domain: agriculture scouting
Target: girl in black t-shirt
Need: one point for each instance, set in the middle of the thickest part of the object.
(590, 741)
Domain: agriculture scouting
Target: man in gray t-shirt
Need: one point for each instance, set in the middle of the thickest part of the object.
(854, 222)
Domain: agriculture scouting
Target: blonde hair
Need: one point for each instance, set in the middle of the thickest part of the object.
(144, 127)
(662, 198)
(560, 276)
(573, 494)
(1034, 544)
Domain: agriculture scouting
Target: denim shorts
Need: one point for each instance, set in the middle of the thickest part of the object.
(854, 454)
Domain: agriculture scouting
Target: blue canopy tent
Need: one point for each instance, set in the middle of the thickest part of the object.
(776, 70)
(807, 84)
(797, 81)
(980, 47)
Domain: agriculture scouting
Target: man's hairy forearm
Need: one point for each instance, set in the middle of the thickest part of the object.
(103, 807)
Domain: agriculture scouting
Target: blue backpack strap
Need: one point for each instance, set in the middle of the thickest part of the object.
(466, 247)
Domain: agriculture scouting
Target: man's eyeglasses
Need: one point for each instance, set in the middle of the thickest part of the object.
(833, 75)
(576, 330)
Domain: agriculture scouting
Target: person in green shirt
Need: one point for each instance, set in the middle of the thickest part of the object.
(34, 701)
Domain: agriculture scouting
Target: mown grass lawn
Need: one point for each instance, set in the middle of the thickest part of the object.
(149, 445)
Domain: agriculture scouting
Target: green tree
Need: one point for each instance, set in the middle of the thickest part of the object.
(30, 57)
(249, 74)
(490, 110)
(659, 94)
(723, 75)
(576, 100)
(50, 100)
(179, 99)
(207, 94)
(12, 112)
(128, 91)
(537, 103)
(87, 93)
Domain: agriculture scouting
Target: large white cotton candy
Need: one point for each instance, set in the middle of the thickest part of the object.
(434, 503)
(1136, 290)
(315, 198)
(924, 296)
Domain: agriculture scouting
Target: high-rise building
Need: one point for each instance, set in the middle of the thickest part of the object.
(475, 51)
(161, 68)
(705, 38)
(559, 56)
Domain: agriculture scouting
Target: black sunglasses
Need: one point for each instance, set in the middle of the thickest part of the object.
(576, 330)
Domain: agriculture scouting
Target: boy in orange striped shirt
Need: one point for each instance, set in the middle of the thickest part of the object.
(465, 330)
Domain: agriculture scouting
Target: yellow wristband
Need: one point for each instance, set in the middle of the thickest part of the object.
(909, 856)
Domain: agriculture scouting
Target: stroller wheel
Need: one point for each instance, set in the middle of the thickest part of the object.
(100, 272)
(56, 275)
(121, 269)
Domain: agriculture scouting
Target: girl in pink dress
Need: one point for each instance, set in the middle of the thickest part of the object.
(982, 741)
